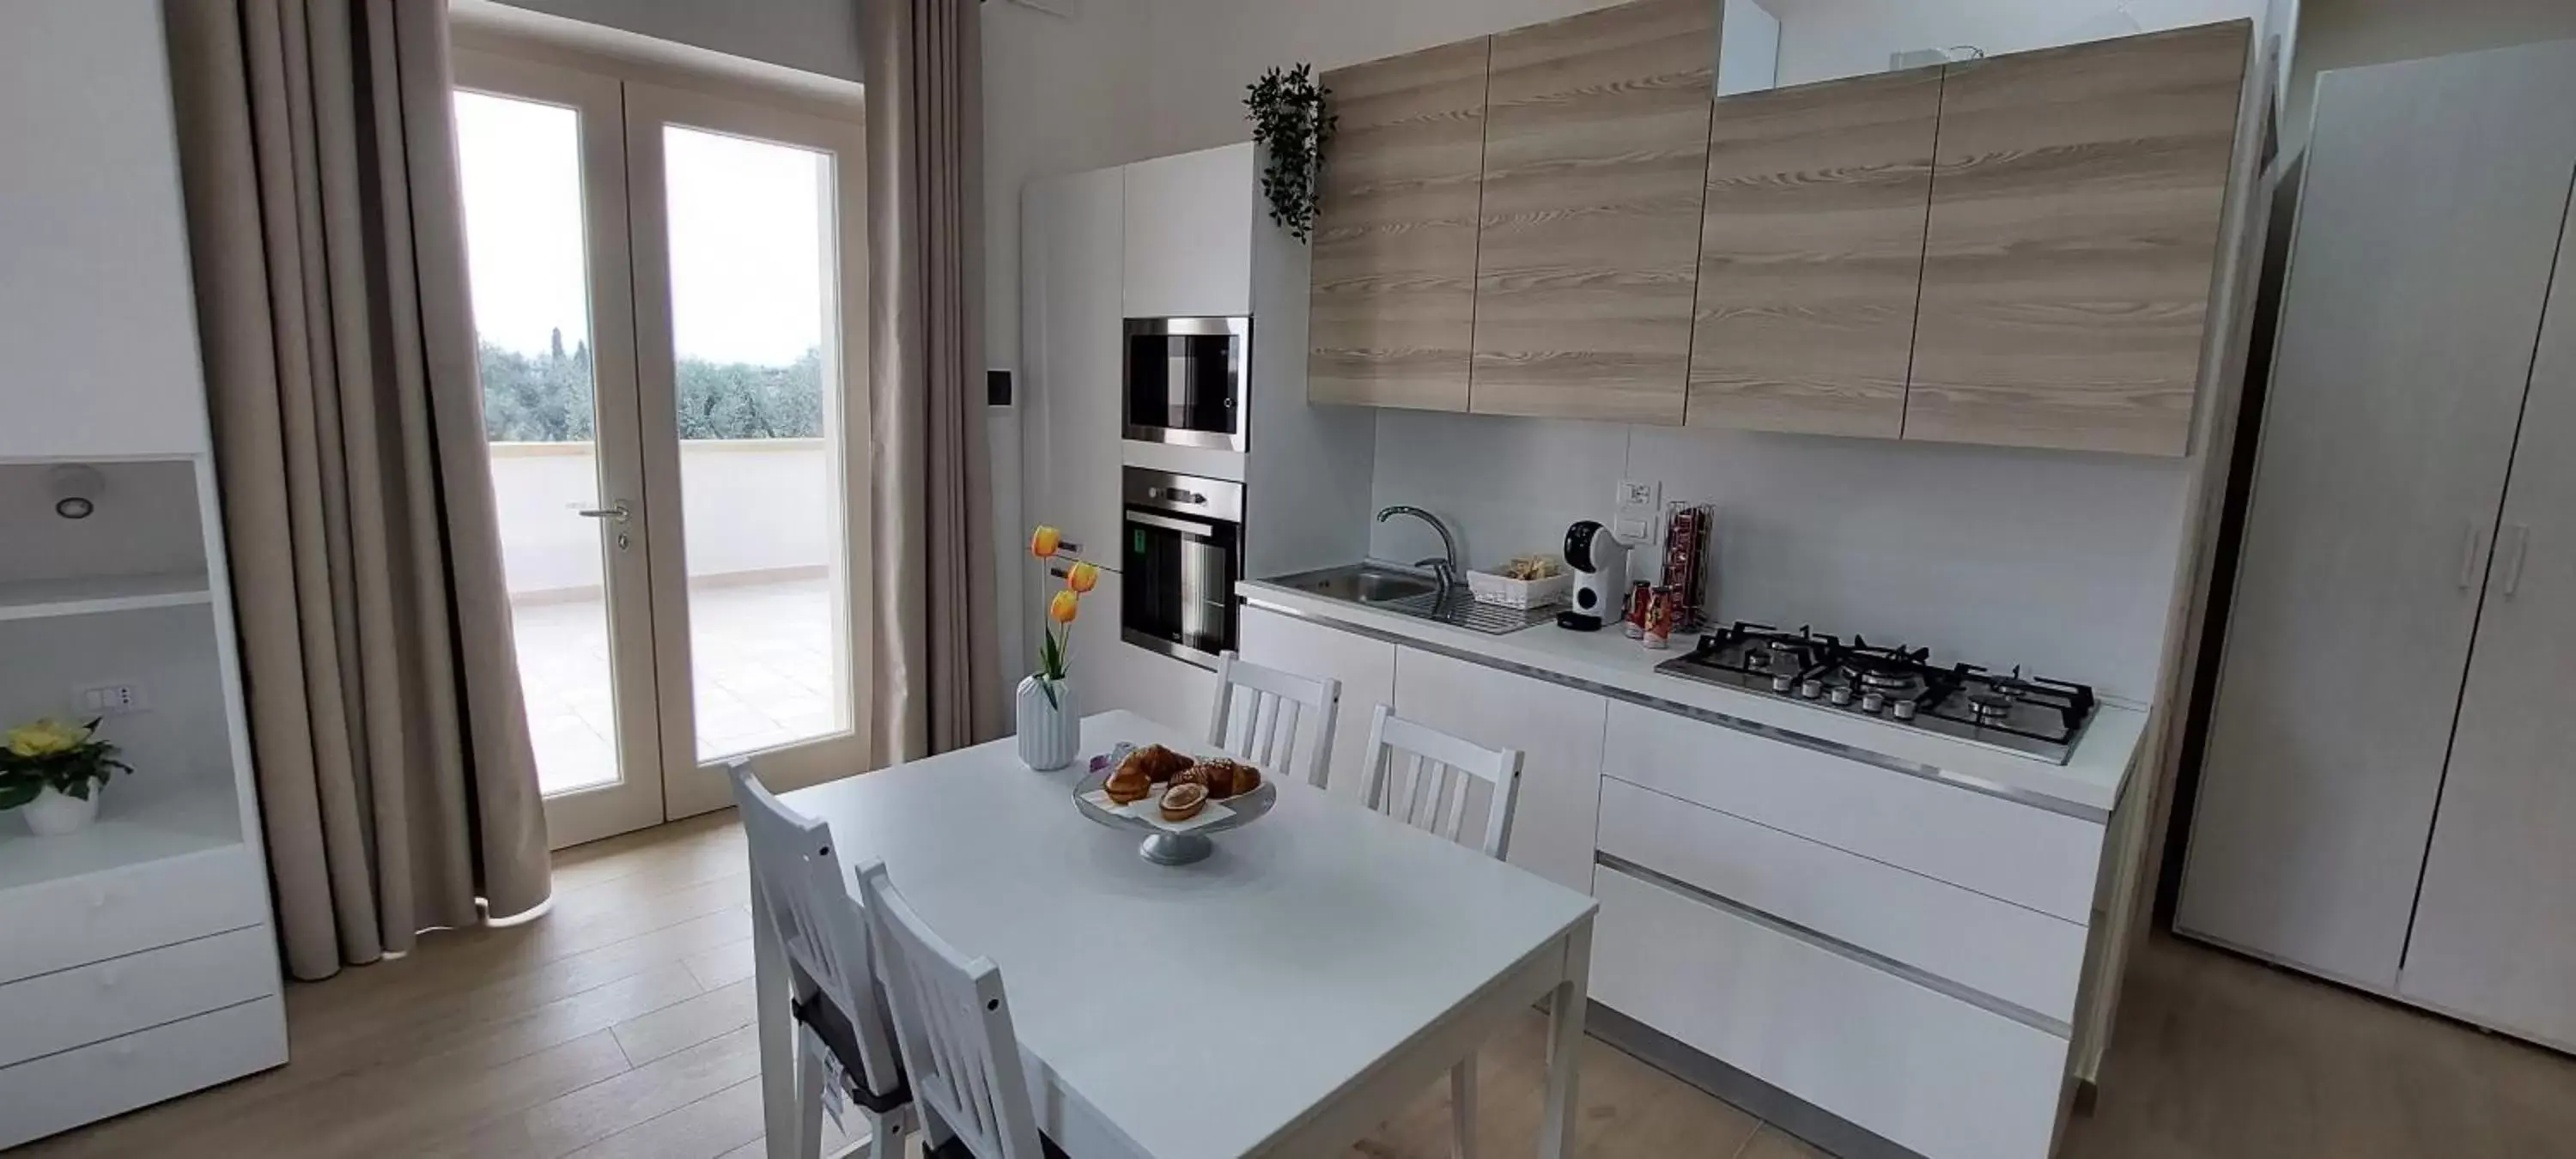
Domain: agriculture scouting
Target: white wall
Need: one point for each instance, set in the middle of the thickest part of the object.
(97, 321)
(2059, 562)
(2349, 33)
(1823, 39)
(817, 36)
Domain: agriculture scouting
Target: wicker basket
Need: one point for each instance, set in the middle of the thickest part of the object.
(1489, 588)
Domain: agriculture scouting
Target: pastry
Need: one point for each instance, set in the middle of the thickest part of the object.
(1156, 762)
(1184, 800)
(1226, 778)
(1206, 774)
(1127, 785)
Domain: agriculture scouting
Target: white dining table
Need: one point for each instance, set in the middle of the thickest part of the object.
(1285, 996)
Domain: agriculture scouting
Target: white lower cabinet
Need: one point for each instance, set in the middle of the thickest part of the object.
(1929, 1072)
(73, 921)
(1364, 665)
(2007, 952)
(86, 1004)
(66, 1089)
(2019, 853)
(1558, 731)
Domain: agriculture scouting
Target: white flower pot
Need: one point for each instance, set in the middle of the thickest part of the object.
(54, 814)
(1050, 731)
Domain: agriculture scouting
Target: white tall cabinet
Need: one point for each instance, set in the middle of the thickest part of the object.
(2397, 674)
(137, 959)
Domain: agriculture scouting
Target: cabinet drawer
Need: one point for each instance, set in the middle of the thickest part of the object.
(1935, 1075)
(75, 921)
(2025, 855)
(85, 1004)
(62, 1091)
(2005, 951)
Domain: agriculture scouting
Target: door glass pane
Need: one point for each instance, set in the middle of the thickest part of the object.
(753, 306)
(524, 245)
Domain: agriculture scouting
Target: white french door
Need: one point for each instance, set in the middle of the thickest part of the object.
(669, 301)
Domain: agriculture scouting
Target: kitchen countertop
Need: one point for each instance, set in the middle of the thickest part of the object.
(2087, 785)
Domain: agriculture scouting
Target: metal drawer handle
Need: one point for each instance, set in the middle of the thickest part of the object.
(2521, 550)
(2470, 554)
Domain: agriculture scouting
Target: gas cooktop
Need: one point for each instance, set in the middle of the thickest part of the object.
(2008, 711)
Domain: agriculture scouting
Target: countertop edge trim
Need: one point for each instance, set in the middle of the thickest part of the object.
(1974, 784)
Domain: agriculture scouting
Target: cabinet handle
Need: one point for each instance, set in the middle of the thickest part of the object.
(1069, 546)
(1057, 570)
(2521, 550)
(2471, 553)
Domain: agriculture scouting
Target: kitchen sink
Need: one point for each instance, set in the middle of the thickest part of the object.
(1363, 584)
(1412, 594)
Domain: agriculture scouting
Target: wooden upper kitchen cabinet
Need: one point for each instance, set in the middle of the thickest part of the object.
(2076, 202)
(1393, 311)
(1811, 253)
(1596, 154)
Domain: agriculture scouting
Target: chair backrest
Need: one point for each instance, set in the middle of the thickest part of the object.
(818, 921)
(1258, 711)
(1432, 794)
(954, 1025)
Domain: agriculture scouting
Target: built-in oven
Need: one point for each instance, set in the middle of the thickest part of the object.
(1184, 551)
(1184, 379)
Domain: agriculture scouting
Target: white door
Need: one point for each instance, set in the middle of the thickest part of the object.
(2495, 924)
(669, 304)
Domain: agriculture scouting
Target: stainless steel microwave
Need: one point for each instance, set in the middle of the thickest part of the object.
(1184, 380)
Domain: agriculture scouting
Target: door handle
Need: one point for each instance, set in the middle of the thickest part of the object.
(2471, 554)
(2521, 549)
(616, 511)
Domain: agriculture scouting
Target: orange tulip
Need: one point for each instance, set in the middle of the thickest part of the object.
(1044, 541)
(1062, 608)
(1082, 577)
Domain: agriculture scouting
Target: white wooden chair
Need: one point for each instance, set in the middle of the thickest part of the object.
(954, 1025)
(1263, 730)
(840, 1010)
(1432, 797)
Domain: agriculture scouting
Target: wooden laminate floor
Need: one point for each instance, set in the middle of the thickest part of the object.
(619, 1026)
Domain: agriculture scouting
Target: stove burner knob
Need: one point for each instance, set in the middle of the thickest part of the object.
(1811, 689)
(1872, 702)
(1783, 683)
(1902, 710)
(1840, 696)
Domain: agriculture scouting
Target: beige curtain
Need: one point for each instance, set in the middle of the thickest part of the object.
(934, 689)
(395, 779)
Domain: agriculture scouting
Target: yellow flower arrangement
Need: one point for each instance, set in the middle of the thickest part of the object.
(52, 754)
(1055, 649)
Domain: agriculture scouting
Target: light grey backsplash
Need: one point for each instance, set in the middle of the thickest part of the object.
(2062, 563)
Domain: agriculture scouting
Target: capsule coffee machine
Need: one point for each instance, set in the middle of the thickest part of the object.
(1600, 565)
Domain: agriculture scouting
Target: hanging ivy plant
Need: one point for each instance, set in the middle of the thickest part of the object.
(1290, 122)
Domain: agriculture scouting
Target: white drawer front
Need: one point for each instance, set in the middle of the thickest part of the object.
(1928, 1072)
(94, 917)
(2020, 853)
(2005, 951)
(82, 1005)
(62, 1091)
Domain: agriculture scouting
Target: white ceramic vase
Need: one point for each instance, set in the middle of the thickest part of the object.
(54, 814)
(1050, 731)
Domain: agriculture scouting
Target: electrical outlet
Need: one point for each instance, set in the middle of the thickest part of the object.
(111, 699)
(1637, 493)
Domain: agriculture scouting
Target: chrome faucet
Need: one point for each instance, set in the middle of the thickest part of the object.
(1444, 567)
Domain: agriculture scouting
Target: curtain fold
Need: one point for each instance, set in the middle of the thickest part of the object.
(396, 782)
(935, 687)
